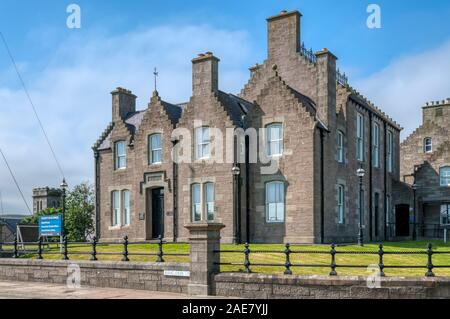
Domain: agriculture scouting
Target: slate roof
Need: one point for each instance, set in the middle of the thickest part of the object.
(133, 121)
(235, 106)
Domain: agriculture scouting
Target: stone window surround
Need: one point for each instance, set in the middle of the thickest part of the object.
(120, 189)
(268, 120)
(340, 131)
(426, 144)
(376, 164)
(343, 183)
(390, 151)
(127, 144)
(360, 139)
(147, 159)
(265, 199)
(202, 181)
(195, 144)
(441, 167)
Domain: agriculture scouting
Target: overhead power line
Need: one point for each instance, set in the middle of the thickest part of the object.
(32, 104)
(15, 181)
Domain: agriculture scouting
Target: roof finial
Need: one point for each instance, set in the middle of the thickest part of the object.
(155, 73)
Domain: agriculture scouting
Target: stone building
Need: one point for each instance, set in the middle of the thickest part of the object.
(425, 164)
(297, 132)
(46, 197)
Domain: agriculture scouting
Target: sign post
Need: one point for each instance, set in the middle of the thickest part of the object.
(51, 226)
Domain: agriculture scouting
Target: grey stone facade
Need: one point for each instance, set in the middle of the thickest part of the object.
(46, 197)
(422, 166)
(303, 92)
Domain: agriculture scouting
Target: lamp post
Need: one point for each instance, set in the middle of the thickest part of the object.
(360, 173)
(64, 187)
(175, 141)
(414, 188)
(236, 171)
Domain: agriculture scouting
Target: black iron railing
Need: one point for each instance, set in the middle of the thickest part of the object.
(67, 249)
(332, 253)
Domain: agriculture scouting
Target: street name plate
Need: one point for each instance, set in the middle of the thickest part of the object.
(177, 273)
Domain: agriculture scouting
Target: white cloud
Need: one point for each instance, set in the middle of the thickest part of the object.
(403, 87)
(73, 100)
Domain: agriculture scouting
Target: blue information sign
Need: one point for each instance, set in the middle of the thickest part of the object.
(50, 225)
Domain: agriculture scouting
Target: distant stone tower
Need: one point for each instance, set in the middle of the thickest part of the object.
(45, 197)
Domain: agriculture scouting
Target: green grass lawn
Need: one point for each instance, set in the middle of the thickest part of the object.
(113, 253)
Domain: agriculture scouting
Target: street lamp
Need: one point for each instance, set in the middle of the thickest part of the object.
(64, 187)
(414, 188)
(236, 171)
(360, 173)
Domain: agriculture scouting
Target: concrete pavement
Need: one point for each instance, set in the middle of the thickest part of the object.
(37, 290)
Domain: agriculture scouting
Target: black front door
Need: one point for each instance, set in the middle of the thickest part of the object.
(402, 220)
(157, 212)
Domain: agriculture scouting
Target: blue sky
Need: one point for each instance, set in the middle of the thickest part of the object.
(70, 72)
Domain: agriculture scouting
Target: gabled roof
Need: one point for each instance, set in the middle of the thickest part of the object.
(133, 121)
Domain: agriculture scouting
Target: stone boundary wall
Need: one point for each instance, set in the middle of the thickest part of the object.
(322, 287)
(129, 275)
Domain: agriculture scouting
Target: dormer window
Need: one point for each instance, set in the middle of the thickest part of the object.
(428, 145)
(120, 155)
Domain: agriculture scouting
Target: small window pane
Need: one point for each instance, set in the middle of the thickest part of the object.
(428, 145)
(121, 159)
(274, 138)
(126, 207)
(155, 149)
(275, 202)
(202, 142)
(116, 208)
(209, 200)
(340, 145)
(445, 214)
(196, 204)
(445, 176)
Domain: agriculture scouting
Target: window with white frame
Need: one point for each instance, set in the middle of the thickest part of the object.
(445, 214)
(376, 145)
(116, 208)
(196, 202)
(274, 138)
(275, 202)
(428, 145)
(120, 154)
(202, 142)
(340, 147)
(444, 173)
(155, 149)
(341, 204)
(126, 208)
(390, 151)
(209, 200)
(360, 137)
(202, 198)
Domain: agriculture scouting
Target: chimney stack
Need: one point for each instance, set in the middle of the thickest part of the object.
(283, 34)
(123, 103)
(326, 86)
(205, 74)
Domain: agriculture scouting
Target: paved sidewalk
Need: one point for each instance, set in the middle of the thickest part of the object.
(37, 290)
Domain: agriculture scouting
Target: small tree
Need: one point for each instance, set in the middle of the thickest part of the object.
(34, 219)
(78, 219)
(79, 213)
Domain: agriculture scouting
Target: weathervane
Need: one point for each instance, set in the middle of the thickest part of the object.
(155, 73)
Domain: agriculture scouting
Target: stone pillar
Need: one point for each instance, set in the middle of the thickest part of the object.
(204, 239)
